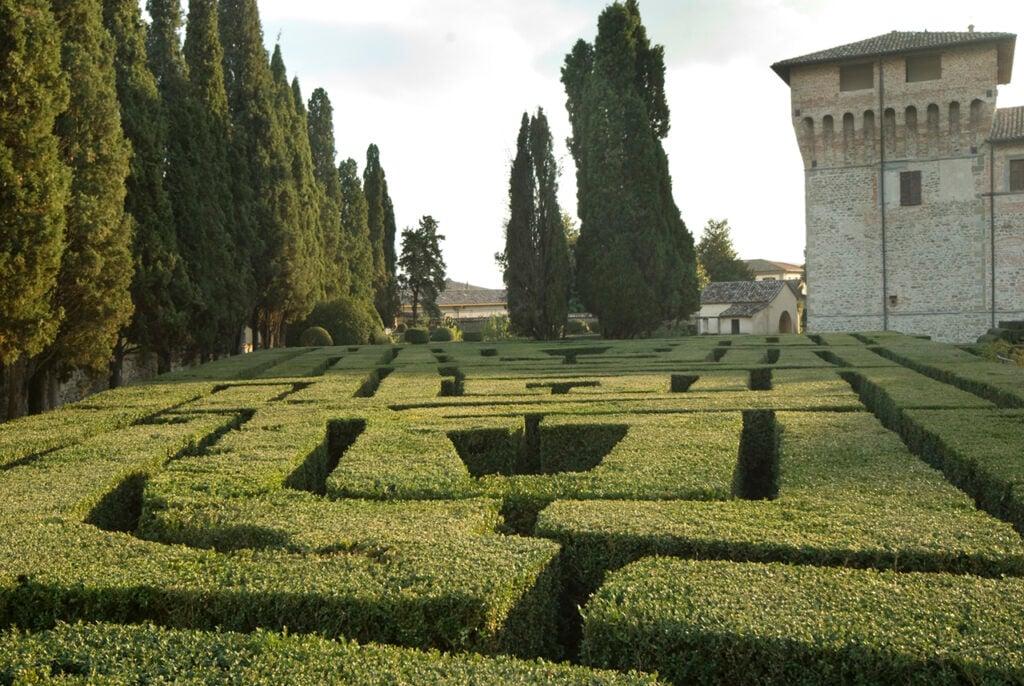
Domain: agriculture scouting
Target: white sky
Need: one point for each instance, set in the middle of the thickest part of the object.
(440, 87)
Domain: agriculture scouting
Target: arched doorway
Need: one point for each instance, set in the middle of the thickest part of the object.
(786, 323)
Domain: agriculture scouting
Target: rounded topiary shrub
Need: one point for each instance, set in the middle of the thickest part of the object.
(315, 336)
(442, 334)
(472, 336)
(417, 335)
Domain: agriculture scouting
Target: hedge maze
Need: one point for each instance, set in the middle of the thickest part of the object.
(826, 509)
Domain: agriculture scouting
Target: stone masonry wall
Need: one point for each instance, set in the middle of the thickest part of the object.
(937, 255)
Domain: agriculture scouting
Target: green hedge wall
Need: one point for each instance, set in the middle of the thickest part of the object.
(732, 623)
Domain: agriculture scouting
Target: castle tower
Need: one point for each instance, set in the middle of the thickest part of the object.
(915, 222)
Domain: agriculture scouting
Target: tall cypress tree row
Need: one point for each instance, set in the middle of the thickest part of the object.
(34, 180)
(96, 267)
(320, 121)
(635, 257)
(34, 188)
(381, 217)
(160, 290)
(521, 273)
(212, 235)
(297, 282)
(552, 244)
(537, 272)
(357, 246)
(261, 168)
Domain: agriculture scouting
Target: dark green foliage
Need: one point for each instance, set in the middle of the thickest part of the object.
(320, 121)
(34, 179)
(96, 267)
(382, 230)
(316, 335)
(357, 246)
(473, 336)
(417, 335)
(212, 237)
(717, 255)
(423, 268)
(264, 190)
(760, 379)
(443, 334)
(537, 270)
(635, 259)
(161, 290)
(756, 476)
(348, 321)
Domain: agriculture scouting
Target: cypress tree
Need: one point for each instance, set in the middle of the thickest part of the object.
(299, 280)
(261, 168)
(212, 234)
(34, 180)
(160, 290)
(381, 218)
(34, 190)
(355, 223)
(320, 120)
(537, 274)
(96, 267)
(635, 258)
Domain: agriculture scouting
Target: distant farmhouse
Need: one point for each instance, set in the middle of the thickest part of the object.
(752, 307)
(463, 301)
(767, 270)
(914, 183)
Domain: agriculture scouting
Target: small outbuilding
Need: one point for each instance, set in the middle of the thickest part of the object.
(754, 307)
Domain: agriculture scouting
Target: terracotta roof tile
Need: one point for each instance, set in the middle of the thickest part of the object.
(1008, 125)
(897, 42)
(737, 292)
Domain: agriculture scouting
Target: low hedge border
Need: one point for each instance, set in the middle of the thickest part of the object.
(721, 622)
(70, 653)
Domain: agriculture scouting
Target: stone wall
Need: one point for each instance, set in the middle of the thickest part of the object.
(937, 256)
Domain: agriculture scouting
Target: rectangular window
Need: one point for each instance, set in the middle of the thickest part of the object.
(1017, 175)
(910, 188)
(856, 77)
(735, 325)
(924, 68)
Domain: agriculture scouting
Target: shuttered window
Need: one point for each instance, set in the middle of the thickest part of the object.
(1017, 175)
(910, 188)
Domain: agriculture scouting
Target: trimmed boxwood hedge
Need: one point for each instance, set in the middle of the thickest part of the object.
(280, 489)
(114, 653)
(733, 623)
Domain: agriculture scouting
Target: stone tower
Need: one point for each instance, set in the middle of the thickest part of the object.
(914, 184)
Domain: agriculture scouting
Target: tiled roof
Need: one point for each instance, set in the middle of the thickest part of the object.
(741, 292)
(1008, 125)
(744, 310)
(897, 42)
(760, 266)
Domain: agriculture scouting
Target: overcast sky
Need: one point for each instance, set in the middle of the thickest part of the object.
(440, 87)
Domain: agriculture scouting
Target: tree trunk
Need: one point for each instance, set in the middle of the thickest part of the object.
(42, 390)
(16, 388)
(117, 364)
